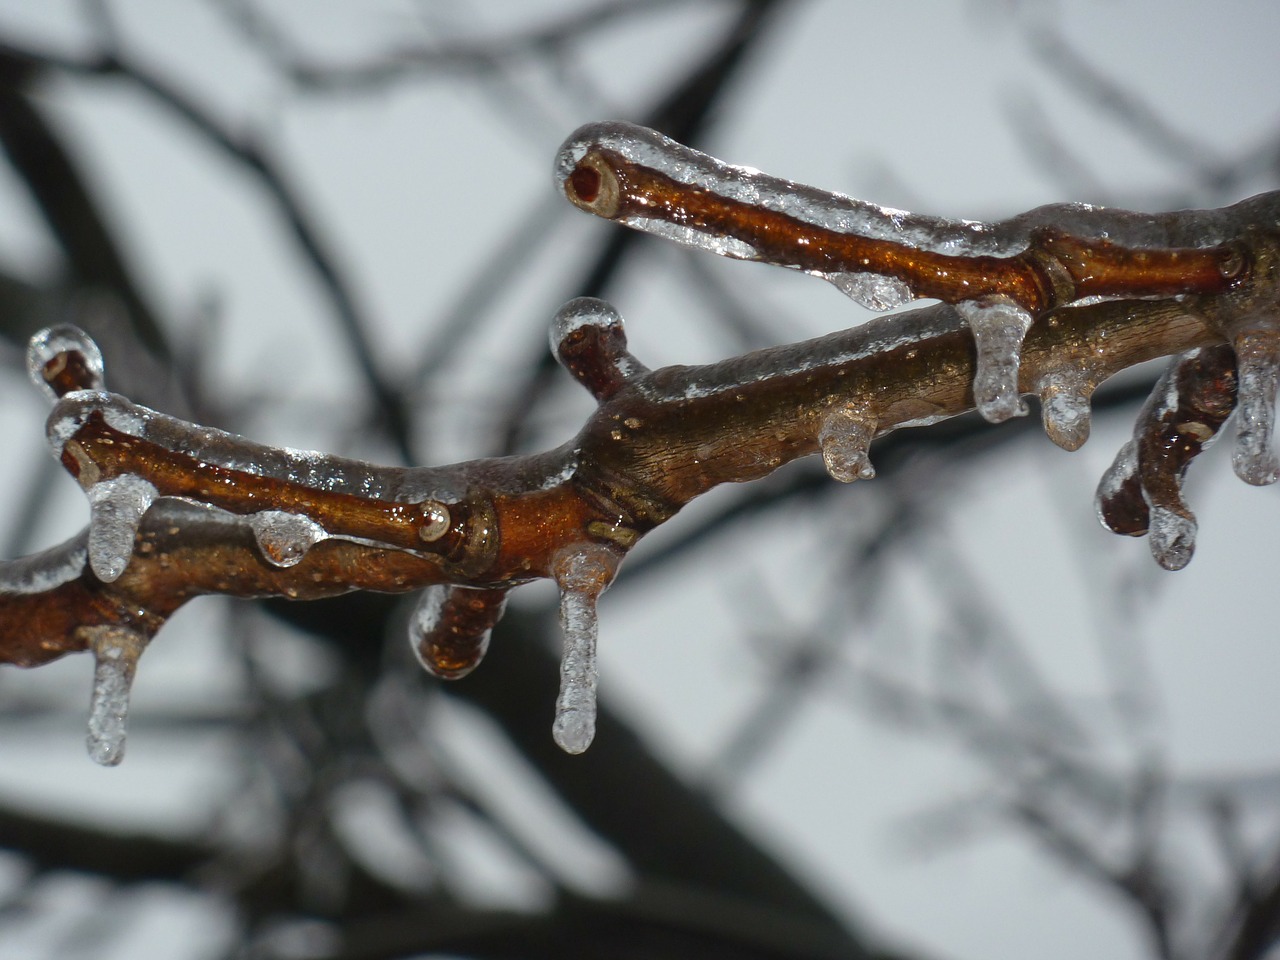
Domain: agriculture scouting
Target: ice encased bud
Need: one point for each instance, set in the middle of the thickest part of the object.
(582, 572)
(67, 345)
(1119, 501)
(845, 438)
(116, 651)
(589, 340)
(284, 538)
(116, 506)
(999, 326)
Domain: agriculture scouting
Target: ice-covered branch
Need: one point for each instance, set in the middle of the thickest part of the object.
(1002, 276)
(179, 510)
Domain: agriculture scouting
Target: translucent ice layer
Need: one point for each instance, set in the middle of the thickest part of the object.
(116, 651)
(582, 573)
(998, 326)
(116, 506)
(285, 538)
(845, 438)
(62, 358)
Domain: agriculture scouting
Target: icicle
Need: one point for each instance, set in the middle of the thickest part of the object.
(871, 290)
(450, 628)
(64, 358)
(998, 326)
(285, 538)
(116, 651)
(1258, 363)
(582, 572)
(116, 506)
(845, 438)
(1064, 407)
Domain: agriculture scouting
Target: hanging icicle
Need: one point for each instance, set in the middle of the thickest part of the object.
(582, 572)
(116, 651)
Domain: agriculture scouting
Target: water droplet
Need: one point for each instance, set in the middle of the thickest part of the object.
(284, 538)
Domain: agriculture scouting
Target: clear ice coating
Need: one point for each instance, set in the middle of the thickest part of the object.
(50, 342)
(116, 506)
(999, 326)
(1257, 365)
(284, 538)
(1065, 408)
(582, 573)
(871, 290)
(116, 651)
(845, 438)
(1172, 538)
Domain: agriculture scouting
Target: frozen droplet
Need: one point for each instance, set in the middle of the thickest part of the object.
(1065, 408)
(582, 572)
(1257, 363)
(116, 651)
(845, 438)
(1119, 501)
(1173, 538)
(116, 506)
(871, 289)
(64, 358)
(450, 628)
(999, 326)
(284, 538)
